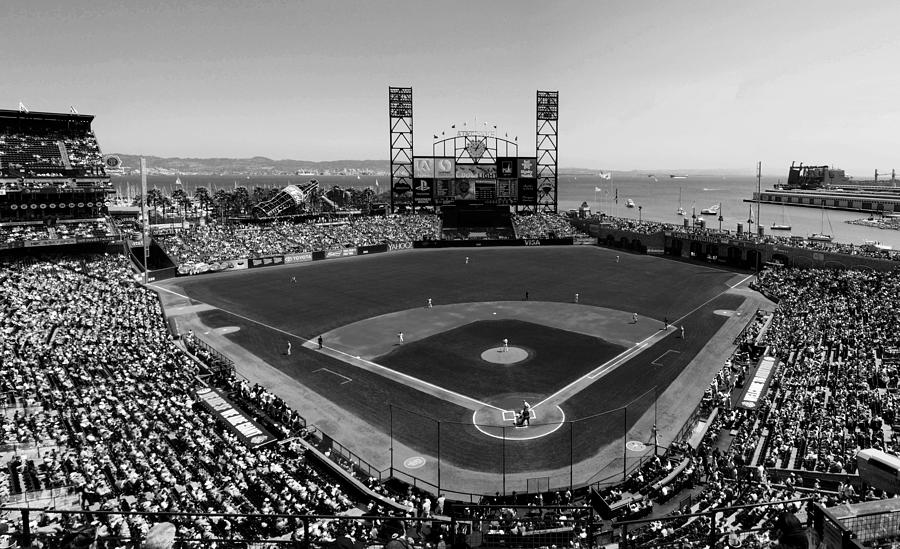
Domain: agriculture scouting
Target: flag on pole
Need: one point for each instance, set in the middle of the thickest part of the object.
(617, 196)
(606, 175)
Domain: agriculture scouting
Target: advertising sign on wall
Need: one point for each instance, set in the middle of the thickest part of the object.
(298, 258)
(266, 261)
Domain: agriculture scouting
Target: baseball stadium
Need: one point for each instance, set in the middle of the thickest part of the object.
(450, 362)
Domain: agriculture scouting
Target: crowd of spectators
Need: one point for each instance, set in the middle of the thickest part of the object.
(836, 388)
(653, 227)
(543, 225)
(214, 242)
(97, 380)
(84, 152)
(16, 234)
(48, 154)
(834, 394)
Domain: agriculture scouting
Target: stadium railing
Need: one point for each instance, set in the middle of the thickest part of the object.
(876, 529)
(340, 452)
(25, 534)
(709, 536)
(533, 525)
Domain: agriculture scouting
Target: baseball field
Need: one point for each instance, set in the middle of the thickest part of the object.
(636, 347)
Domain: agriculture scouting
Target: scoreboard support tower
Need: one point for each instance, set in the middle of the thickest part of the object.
(400, 113)
(547, 135)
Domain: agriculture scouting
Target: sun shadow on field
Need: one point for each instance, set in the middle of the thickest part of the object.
(453, 359)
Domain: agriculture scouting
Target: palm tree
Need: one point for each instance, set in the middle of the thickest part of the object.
(241, 200)
(222, 202)
(180, 198)
(202, 196)
(259, 194)
(155, 199)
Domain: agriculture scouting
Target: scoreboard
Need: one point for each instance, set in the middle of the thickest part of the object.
(439, 180)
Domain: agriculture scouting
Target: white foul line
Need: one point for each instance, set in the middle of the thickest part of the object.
(615, 362)
(335, 373)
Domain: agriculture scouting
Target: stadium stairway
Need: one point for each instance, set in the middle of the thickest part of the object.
(64, 155)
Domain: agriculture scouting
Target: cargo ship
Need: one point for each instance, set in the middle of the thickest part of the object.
(830, 188)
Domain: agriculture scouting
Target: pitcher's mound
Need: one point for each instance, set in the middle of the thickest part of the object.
(497, 355)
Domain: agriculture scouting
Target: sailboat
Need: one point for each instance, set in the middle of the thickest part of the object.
(781, 226)
(680, 208)
(821, 236)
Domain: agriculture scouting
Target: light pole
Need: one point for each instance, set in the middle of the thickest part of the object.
(639, 213)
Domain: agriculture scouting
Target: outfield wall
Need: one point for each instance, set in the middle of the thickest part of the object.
(732, 250)
(188, 269)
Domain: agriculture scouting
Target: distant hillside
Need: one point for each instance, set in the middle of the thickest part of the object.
(261, 165)
(254, 165)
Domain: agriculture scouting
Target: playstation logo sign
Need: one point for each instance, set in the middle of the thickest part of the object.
(423, 186)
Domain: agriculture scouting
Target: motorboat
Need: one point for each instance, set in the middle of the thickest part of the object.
(712, 210)
(819, 237)
(876, 246)
(629, 203)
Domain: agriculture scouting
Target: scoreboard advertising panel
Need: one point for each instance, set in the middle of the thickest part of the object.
(423, 167)
(476, 171)
(442, 180)
(423, 190)
(527, 168)
(444, 168)
(507, 167)
(527, 191)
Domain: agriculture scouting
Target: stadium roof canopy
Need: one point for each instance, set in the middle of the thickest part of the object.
(16, 120)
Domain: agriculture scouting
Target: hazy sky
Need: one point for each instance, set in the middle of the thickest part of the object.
(643, 84)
